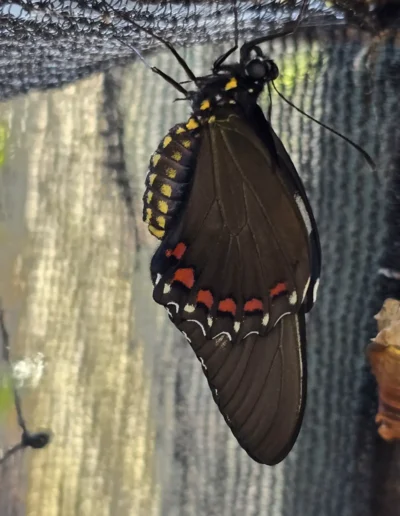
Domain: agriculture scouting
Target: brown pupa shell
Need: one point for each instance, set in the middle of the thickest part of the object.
(384, 356)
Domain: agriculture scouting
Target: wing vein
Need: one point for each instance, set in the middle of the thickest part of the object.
(249, 185)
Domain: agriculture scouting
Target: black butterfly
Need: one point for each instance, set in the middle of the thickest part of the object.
(239, 261)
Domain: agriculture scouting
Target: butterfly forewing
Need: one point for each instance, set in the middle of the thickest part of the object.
(294, 184)
(246, 243)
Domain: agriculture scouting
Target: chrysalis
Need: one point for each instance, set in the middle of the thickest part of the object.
(384, 356)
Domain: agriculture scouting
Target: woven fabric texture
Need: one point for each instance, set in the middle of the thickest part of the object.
(51, 43)
(136, 431)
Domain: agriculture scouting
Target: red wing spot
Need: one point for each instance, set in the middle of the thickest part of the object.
(280, 288)
(205, 297)
(227, 305)
(253, 305)
(179, 250)
(184, 276)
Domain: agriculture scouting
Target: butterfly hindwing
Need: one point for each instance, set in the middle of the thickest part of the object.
(258, 383)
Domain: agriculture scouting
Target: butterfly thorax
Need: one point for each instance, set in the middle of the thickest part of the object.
(237, 84)
(225, 91)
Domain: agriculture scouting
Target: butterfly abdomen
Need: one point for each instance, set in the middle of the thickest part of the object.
(170, 176)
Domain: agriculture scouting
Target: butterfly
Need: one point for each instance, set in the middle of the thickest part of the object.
(239, 261)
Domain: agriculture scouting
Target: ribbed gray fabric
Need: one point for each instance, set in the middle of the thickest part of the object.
(198, 467)
(329, 471)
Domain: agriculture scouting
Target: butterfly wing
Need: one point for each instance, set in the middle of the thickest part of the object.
(259, 385)
(289, 174)
(240, 257)
(234, 274)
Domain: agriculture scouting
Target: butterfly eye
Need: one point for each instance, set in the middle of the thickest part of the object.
(272, 70)
(256, 69)
(262, 69)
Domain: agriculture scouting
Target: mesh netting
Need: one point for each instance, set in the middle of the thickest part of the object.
(50, 43)
(135, 430)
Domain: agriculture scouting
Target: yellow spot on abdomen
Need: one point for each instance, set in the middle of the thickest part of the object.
(211, 119)
(161, 221)
(167, 140)
(186, 144)
(205, 104)
(149, 214)
(158, 233)
(171, 172)
(152, 178)
(162, 206)
(180, 130)
(231, 84)
(177, 156)
(192, 124)
(155, 159)
(149, 197)
(166, 190)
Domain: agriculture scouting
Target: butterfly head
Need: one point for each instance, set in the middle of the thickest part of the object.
(258, 67)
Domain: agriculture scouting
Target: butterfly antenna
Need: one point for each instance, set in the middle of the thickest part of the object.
(303, 9)
(36, 440)
(235, 13)
(270, 102)
(365, 154)
(168, 45)
(247, 47)
(221, 59)
(137, 51)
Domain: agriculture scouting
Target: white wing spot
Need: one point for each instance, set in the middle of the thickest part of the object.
(265, 320)
(315, 291)
(283, 315)
(157, 279)
(186, 337)
(303, 211)
(293, 298)
(167, 288)
(190, 308)
(306, 289)
(389, 273)
(251, 333)
(236, 326)
(199, 323)
(210, 321)
(175, 305)
(223, 333)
